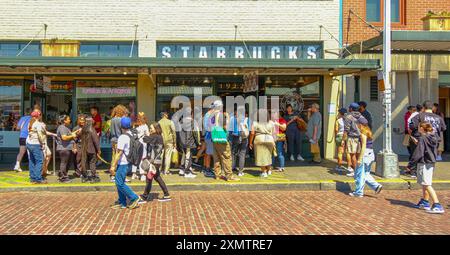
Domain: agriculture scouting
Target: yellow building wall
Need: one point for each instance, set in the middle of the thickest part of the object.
(331, 91)
(60, 48)
(146, 95)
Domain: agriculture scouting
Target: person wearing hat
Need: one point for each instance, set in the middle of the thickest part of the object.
(169, 138)
(35, 146)
(352, 134)
(119, 168)
(340, 142)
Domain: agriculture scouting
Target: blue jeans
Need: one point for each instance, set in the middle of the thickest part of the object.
(362, 177)
(280, 154)
(294, 141)
(122, 188)
(36, 158)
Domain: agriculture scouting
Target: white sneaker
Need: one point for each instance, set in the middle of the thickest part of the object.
(113, 179)
(190, 175)
(143, 178)
(439, 158)
(351, 174)
(181, 172)
(269, 172)
(264, 175)
(299, 157)
(126, 180)
(240, 174)
(134, 177)
(292, 158)
(17, 168)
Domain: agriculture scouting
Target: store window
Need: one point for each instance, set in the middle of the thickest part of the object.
(14, 48)
(10, 104)
(375, 9)
(172, 86)
(109, 49)
(105, 94)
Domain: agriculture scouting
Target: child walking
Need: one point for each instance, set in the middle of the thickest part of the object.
(425, 158)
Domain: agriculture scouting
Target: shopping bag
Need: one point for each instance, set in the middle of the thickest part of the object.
(175, 157)
(315, 148)
(406, 140)
(218, 135)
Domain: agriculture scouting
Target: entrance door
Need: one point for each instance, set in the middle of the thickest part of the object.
(444, 105)
(57, 104)
(37, 100)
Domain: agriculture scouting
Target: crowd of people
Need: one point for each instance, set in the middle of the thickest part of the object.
(218, 143)
(424, 128)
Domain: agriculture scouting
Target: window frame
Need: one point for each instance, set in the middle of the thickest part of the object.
(21, 45)
(372, 99)
(98, 45)
(402, 14)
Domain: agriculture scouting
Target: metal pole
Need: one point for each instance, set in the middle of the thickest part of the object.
(387, 76)
(387, 160)
(54, 158)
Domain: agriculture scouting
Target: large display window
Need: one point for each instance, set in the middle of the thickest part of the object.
(10, 103)
(105, 94)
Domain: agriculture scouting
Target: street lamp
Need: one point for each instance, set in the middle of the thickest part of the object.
(387, 160)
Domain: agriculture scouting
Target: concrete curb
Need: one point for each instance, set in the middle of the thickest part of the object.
(303, 186)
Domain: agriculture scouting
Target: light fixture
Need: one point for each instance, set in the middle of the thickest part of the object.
(330, 72)
(166, 80)
(206, 80)
(300, 80)
(268, 80)
(125, 73)
(235, 73)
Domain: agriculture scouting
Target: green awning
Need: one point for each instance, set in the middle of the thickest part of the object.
(406, 41)
(444, 79)
(180, 62)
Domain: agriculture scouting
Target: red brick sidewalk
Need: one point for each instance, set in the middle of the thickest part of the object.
(265, 212)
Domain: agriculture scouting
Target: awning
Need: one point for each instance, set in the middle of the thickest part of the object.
(29, 65)
(406, 41)
(444, 79)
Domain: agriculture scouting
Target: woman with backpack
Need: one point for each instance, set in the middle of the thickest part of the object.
(153, 162)
(188, 138)
(142, 130)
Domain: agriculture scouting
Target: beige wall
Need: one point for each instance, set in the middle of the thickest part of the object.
(146, 95)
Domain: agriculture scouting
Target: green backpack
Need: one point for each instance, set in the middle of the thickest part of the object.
(218, 135)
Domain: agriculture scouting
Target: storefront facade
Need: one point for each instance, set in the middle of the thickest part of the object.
(142, 53)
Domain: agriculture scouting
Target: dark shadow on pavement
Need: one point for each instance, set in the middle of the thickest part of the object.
(343, 187)
(402, 203)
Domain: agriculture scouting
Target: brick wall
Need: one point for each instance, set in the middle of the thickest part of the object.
(170, 20)
(357, 31)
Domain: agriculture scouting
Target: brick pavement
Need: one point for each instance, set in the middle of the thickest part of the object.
(262, 212)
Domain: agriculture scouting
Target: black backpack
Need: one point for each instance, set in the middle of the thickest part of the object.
(136, 149)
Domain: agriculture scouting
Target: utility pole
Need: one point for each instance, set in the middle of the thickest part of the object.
(387, 160)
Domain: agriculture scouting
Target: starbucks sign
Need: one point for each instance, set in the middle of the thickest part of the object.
(237, 50)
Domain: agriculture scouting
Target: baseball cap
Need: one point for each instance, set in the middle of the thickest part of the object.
(125, 122)
(342, 111)
(354, 106)
(35, 114)
(217, 103)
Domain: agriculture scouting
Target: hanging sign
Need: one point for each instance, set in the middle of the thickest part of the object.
(250, 82)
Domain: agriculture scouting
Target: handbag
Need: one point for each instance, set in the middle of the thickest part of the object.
(301, 125)
(218, 135)
(406, 140)
(151, 172)
(264, 139)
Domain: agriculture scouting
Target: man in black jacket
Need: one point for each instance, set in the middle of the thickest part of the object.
(188, 138)
(428, 116)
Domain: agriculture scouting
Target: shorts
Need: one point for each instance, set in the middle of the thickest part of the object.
(22, 141)
(209, 147)
(353, 145)
(339, 140)
(425, 174)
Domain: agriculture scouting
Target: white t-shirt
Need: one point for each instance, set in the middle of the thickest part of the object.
(37, 127)
(340, 122)
(123, 144)
(142, 131)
